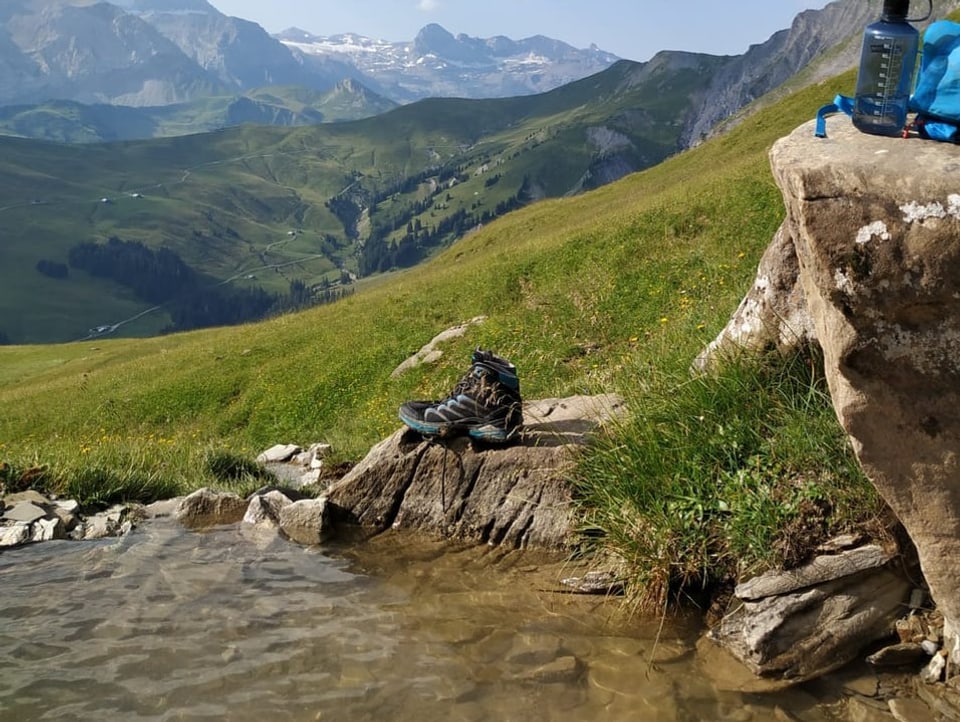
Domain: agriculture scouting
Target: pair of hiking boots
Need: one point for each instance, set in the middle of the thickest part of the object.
(485, 404)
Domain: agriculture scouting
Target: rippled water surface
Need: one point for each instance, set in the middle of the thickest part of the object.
(168, 624)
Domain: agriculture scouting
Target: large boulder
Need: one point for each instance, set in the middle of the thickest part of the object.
(517, 495)
(875, 223)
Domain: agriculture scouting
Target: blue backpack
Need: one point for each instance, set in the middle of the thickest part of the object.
(936, 96)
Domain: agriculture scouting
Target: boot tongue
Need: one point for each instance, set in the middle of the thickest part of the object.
(505, 371)
(509, 380)
(503, 376)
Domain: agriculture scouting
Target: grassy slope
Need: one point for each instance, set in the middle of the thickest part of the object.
(662, 256)
(616, 289)
(70, 122)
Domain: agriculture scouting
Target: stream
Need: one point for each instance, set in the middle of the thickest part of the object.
(234, 624)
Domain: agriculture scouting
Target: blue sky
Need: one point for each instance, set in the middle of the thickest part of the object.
(632, 29)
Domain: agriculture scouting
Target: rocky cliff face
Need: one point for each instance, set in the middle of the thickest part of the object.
(93, 53)
(804, 47)
(766, 66)
(140, 53)
(237, 52)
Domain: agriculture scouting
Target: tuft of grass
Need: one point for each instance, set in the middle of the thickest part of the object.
(719, 476)
(228, 466)
(236, 472)
(114, 468)
(15, 478)
(102, 486)
(115, 478)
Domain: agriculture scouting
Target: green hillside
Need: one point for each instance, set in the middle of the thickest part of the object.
(71, 122)
(261, 208)
(613, 290)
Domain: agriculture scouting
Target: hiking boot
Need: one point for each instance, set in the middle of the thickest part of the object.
(485, 404)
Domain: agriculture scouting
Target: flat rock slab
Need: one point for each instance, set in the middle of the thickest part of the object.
(822, 569)
(792, 626)
(517, 495)
(26, 512)
(279, 453)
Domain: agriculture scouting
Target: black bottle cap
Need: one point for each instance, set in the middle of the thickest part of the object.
(895, 9)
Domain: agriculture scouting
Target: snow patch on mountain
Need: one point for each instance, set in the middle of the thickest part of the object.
(349, 44)
(437, 63)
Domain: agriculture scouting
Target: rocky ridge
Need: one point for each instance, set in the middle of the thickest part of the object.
(820, 43)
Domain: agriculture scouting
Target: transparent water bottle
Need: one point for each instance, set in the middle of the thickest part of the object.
(887, 63)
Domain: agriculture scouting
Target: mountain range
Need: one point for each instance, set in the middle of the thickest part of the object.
(69, 121)
(158, 52)
(77, 71)
(280, 211)
(437, 64)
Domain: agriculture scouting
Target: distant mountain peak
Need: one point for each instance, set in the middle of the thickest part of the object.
(350, 86)
(436, 40)
(434, 30)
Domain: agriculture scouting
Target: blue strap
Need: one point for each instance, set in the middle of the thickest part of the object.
(938, 130)
(840, 104)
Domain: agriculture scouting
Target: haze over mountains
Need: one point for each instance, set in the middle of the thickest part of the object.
(157, 52)
(178, 66)
(171, 67)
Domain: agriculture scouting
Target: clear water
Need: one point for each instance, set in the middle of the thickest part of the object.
(168, 624)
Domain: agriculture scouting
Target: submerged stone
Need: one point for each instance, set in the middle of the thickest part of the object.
(206, 507)
(800, 624)
(306, 521)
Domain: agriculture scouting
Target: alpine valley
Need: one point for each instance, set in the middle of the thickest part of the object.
(228, 193)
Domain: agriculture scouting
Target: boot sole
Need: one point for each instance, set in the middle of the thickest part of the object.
(482, 433)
